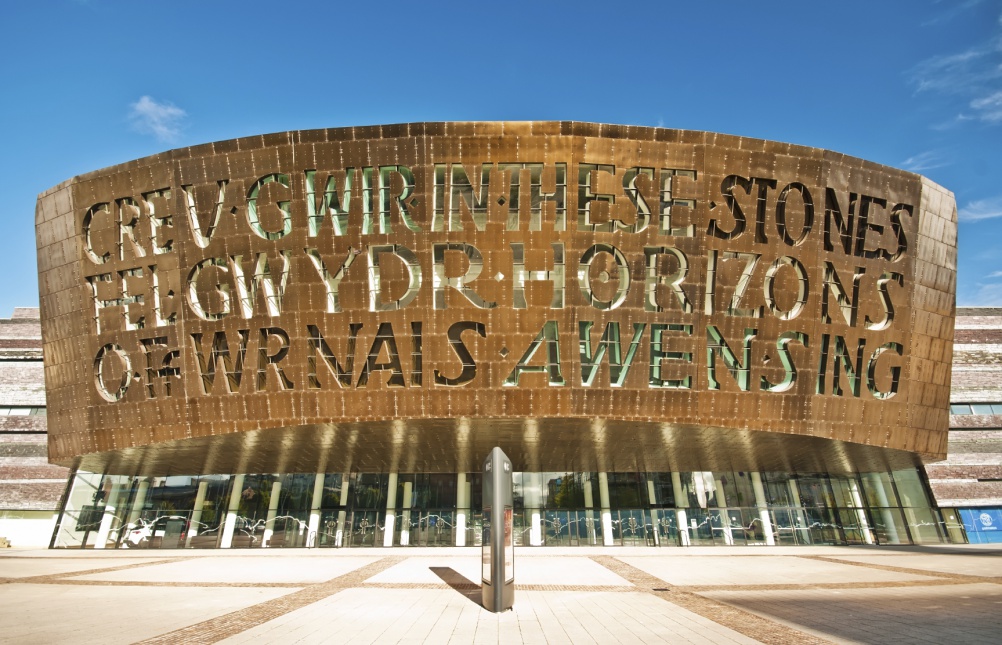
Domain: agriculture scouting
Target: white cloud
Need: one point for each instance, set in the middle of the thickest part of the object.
(987, 295)
(951, 12)
(960, 73)
(981, 209)
(924, 161)
(162, 120)
(972, 79)
(989, 107)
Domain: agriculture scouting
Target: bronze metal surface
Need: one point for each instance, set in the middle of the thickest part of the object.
(585, 296)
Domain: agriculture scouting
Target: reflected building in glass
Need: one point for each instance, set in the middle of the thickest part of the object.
(312, 339)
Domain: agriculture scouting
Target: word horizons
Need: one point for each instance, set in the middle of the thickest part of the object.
(325, 225)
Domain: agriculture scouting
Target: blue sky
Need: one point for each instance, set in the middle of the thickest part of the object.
(915, 84)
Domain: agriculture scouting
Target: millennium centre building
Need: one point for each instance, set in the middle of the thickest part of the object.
(313, 339)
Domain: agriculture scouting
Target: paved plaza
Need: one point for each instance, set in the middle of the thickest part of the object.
(584, 595)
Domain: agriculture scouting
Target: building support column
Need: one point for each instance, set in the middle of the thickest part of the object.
(763, 508)
(462, 508)
(231, 512)
(680, 498)
(885, 511)
(196, 514)
(857, 500)
(603, 500)
(531, 494)
(589, 502)
(405, 515)
(725, 519)
(342, 514)
(652, 499)
(800, 524)
(391, 510)
(269, 524)
(137, 504)
(114, 498)
(316, 502)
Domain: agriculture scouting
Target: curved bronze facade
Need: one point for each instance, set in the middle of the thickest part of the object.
(585, 296)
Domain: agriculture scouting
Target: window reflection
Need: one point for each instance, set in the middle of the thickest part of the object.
(658, 509)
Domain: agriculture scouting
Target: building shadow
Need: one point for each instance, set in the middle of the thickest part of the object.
(990, 550)
(460, 583)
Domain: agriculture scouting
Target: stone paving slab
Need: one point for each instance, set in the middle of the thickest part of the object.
(44, 614)
(257, 570)
(783, 596)
(969, 614)
(529, 571)
(24, 567)
(759, 570)
(988, 564)
(445, 616)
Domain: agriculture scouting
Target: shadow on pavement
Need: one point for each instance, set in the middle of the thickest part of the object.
(982, 550)
(459, 582)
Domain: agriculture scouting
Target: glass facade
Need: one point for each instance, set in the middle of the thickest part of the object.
(659, 509)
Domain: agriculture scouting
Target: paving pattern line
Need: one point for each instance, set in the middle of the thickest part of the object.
(744, 622)
(834, 586)
(162, 583)
(476, 587)
(964, 577)
(63, 577)
(235, 622)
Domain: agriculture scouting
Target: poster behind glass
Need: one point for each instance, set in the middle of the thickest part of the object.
(509, 546)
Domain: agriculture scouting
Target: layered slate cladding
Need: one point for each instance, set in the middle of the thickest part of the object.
(971, 475)
(27, 480)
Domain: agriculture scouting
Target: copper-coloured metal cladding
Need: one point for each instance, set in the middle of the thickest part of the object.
(584, 296)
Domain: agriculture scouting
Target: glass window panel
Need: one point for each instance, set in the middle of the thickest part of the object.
(688, 491)
(910, 487)
(666, 524)
(889, 526)
(332, 491)
(738, 488)
(565, 491)
(207, 525)
(632, 527)
(842, 489)
(441, 491)
(822, 526)
(960, 409)
(923, 523)
(853, 526)
(475, 498)
(815, 491)
(699, 527)
(368, 490)
(720, 527)
(736, 523)
(777, 489)
(664, 493)
(878, 490)
(981, 408)
(516, 490)
(783, 527)
(624, 490)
